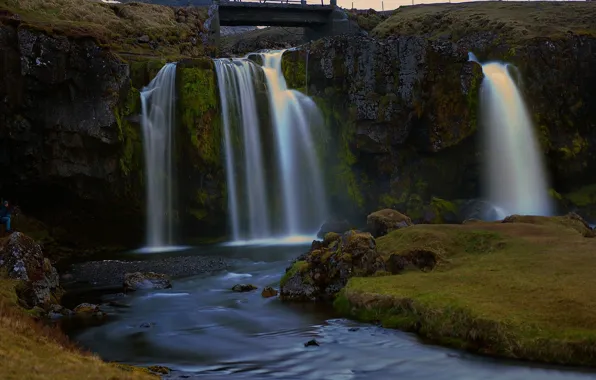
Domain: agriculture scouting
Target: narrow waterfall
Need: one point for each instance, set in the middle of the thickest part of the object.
(158, 105)
(281, 195)
(237, 93)
(515, 178)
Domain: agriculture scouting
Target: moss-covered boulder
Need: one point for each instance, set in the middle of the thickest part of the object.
(322, 272)
(21, 257)
(384, 221)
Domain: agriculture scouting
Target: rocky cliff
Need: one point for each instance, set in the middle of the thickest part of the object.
(403, 105)
(70, 139)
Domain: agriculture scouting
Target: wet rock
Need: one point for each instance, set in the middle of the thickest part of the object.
(269, 292)
(311, 342)
(326, 268)
(382, 222)
(159, 369)
(86, 308)
(148, 280)
(22, 258)
(242, 288)
(334, 225)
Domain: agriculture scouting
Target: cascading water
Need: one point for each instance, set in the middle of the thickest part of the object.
(237, 95)
(296, 173)
(158, 101)
(515, 178)
(302, 183)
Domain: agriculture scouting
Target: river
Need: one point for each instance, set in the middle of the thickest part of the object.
(200, 329)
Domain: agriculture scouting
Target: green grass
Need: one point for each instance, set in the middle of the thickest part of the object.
(520, 290)
(510, 20)
(118, 26)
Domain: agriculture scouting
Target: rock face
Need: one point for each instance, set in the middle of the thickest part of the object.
(403, 116)
(322, 272)
(22, 258)
(144, 281)
(382, 222)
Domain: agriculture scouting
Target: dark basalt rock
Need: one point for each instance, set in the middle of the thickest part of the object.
(242, 288)
(326, 268)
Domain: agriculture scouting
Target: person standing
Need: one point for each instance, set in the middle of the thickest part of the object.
(5, 215)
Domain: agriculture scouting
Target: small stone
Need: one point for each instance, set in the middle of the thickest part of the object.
(144, 39)
(269, 292)
(241, 288)
(86, 308)
(311, 342)
(159, 369)
(148, 280)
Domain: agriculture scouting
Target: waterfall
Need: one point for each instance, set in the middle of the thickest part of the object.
(282, 195)
(237, 93)
(158, 105)
(515, 177)
(302, 183)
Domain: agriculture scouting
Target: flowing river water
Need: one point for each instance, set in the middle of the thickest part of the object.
(201, 329)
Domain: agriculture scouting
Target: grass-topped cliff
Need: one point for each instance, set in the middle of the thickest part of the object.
(523, 289)
(512, 20)
(135, 28)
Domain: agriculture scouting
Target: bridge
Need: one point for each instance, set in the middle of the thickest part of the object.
(319, 18)
(289, 13)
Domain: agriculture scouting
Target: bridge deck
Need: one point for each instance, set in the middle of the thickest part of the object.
(237, 13)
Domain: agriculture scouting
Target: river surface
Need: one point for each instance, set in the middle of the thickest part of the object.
(200, 329)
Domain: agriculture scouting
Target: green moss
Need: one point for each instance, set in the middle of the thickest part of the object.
(577, 146)
(294, 69)
(199, 109)
(298, 267)
(473, 97)
(584, 196)
(129, 134)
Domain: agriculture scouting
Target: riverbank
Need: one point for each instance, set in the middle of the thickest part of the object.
(522, 290)
(32, 350)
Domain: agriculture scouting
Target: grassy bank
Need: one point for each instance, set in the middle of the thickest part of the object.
(519, 290)
(31, 350)
(514, 20)
(135, 28)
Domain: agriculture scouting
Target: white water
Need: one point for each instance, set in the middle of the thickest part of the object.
(302, 183)
(291, 165)
(158, 102)
(237, 95)
(515, 177)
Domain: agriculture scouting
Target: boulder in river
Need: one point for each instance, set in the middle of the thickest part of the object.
(269, 292)
(382, 222)
(147, 280)
(23, 259)
(321, 273)
(242, 288)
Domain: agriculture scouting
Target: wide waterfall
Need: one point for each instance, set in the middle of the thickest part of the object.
(158, 105)
(274, 190)
(515, 177)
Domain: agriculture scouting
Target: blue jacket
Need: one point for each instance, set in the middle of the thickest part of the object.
(4, 211)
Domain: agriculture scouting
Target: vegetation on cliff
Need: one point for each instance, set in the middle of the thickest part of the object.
(520, 289)
(515, 21)
(136, 28)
